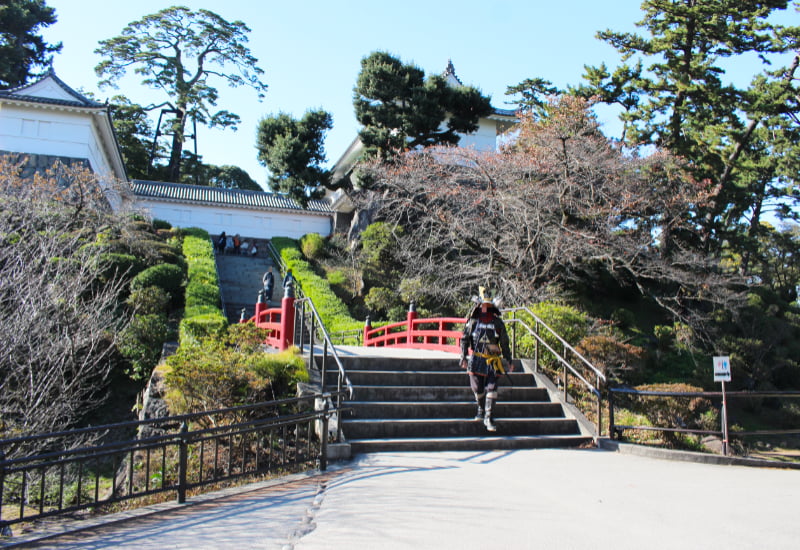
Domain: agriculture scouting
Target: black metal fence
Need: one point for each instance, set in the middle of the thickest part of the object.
(169, 455)
(680, 423)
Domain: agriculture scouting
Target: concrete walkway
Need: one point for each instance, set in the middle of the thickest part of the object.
(551, 498)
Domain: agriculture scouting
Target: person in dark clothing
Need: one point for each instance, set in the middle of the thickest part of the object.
(221, 243)
(269, 282)
(485, 334)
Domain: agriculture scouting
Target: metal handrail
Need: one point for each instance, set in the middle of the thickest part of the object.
(316, 325)
(615, 430)
(566, 344)
(36, 486)
(594, 389)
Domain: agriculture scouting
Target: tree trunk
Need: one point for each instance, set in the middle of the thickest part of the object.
(174, 169)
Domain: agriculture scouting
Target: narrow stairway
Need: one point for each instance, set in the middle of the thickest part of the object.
(417, 404)
(240, 282)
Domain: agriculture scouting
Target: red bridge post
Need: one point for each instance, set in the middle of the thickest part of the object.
(412, 314)
(367, 328)
(287, 317)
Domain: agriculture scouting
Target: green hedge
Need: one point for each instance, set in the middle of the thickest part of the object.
(202, 316)
(333, 311)
(168, 277)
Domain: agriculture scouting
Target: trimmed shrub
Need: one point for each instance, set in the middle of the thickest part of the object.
(230, 369)
(205, 325)
(148, 300)
(567, 321)
(168, 277)
(161, 224)
(141, 343)
(312, 245)
(202, 317)
(117, 265)
(675, 412)
(333, 311)
(611, 356)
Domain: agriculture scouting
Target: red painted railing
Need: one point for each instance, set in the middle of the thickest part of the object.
(440, 333)
(279, 321)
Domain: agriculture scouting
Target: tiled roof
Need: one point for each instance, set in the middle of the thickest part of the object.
(200, 194)
(504, 112)
(78, 101)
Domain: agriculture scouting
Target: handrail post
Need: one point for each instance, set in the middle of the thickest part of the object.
(339, 408)
(183, 456)
(311, 340)
(367, 328)
(261, 306)
(599, 406)
(323, 368)
(412, 314)
(323, 436)
(611, 430)
(514, 334)
(536, 347)
(287, 317)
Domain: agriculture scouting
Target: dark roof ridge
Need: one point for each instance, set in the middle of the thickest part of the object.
(220, 195)
(51, 73)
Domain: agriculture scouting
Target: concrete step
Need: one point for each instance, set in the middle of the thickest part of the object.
(443, 393)
(422, 378)
(372, 428)
(407, 402)
(449, 409)
(486, 442)
(352, 364)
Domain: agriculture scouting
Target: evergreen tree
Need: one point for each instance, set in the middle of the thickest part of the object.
(680, 101)
(178, 51)
(293, 151)
(399, 108)
(21, 49)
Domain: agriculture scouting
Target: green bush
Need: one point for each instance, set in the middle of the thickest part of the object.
(625, 318)
(674, 412)
(568, 322)
(161, 224)
(148, 300)
(200, 293)
(118, 265)
(230, 369)
(141, 343)
(168, 277)
(202, 317)
(206, 325)
(380, 300)
(312, 245)
(338, 278)
(333, 311)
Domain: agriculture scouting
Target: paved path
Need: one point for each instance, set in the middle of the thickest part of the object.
(550, 498)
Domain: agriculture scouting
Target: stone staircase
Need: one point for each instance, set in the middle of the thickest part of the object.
(418, 404)
(240, 282)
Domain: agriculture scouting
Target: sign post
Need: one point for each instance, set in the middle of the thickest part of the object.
(722, 373)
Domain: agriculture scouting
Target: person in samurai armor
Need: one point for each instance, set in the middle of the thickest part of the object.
(485, 334)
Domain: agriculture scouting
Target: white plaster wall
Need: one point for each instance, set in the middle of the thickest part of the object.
(484, 139)
(258, 224)
(52, 132)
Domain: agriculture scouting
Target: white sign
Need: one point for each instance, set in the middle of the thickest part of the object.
(722, 369)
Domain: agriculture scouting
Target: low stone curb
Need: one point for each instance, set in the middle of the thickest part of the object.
(689, 456)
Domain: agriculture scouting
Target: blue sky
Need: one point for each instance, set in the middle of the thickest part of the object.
(311, 50)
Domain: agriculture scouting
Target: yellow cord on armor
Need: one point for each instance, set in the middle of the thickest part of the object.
(494, 361)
